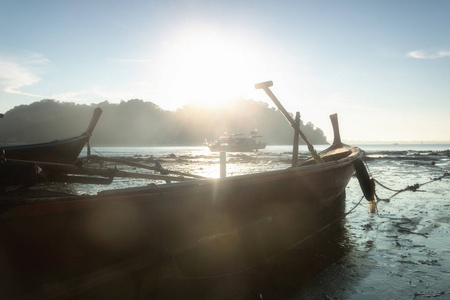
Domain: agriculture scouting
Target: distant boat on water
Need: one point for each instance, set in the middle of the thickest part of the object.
(237, 142)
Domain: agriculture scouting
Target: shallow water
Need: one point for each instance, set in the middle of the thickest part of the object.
(401, 252)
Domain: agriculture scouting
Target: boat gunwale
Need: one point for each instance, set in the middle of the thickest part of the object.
(52, 143)
(86, 201)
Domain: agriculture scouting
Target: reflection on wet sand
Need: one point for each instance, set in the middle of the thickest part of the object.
(279, 277)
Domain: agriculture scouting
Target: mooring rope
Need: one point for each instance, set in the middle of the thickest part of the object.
(98, 153)
(412, 188)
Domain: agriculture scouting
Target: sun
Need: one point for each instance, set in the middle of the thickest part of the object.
(208, 68)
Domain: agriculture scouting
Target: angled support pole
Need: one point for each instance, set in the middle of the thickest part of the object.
(265, 86)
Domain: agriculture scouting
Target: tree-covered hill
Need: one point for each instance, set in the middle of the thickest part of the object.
(139, 123)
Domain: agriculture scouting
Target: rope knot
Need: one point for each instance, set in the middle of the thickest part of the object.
(413, 187)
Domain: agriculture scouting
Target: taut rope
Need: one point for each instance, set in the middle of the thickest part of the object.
(412, 188)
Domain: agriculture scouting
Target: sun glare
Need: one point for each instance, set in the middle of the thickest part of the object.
(207, 68)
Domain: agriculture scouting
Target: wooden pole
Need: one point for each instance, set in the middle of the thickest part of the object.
(265, 86)
(223, 164)
(88, 144)
(296, 135)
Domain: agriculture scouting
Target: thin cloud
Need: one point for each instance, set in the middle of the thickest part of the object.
(102, 93)
(424, 55)
(71, 96)
(131, 60)
(85, 96)
(14, 76)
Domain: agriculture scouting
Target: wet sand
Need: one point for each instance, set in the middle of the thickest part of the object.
(403, 252)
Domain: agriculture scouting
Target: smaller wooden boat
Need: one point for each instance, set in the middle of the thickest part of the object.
(59, 151)
(237, 142)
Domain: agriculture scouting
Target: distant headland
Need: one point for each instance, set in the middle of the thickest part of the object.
(139, 123)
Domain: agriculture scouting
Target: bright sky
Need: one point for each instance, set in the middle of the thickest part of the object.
(383, 66)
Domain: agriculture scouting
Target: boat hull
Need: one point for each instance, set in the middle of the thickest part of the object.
(205, 228)
(63, 151)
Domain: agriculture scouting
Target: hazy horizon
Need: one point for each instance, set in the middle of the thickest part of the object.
(349, 141)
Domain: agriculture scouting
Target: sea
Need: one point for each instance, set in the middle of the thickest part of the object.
(402, 251)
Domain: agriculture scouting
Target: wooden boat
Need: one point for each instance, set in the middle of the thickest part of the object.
(59, 151)
(71, 246)
(237, 142)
